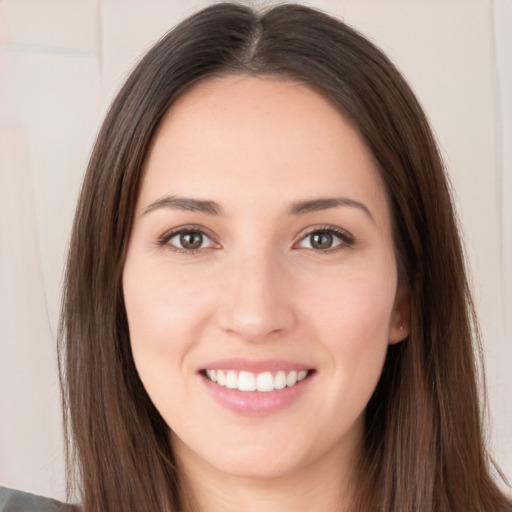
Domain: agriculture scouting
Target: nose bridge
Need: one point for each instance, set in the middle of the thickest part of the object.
(257, 295)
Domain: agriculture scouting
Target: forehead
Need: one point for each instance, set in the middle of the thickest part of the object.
(258, 139)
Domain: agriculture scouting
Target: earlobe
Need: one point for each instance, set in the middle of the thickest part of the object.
(400, 324)
(398, 333)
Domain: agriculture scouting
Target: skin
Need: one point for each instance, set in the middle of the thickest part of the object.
(258, 289)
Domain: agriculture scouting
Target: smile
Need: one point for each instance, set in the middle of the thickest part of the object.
(259, 387)
(249, 381)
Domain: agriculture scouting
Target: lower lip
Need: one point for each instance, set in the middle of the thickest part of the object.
(256, 403)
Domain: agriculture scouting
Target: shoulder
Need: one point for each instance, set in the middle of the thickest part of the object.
(18, 501)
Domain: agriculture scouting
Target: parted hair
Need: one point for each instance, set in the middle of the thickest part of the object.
(424, 444)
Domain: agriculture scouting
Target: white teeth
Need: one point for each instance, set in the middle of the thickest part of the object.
(246, 381)
(280, 380)
(212, 375)
(221, 378)
(291, 379)
(263, 382)
(231, 380)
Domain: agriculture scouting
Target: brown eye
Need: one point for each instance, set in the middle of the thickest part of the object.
(191, 240)
(188, 240)
(321, 240)
(326, 239)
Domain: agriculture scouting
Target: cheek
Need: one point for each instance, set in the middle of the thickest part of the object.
(350, 316)
(161, 304)
(166, 312)
(357, 304)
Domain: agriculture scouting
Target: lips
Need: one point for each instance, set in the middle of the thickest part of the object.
(256, 387)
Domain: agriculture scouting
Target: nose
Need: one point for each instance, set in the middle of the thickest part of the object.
(257, 299)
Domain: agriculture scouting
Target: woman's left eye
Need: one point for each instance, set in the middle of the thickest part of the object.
(325, 239)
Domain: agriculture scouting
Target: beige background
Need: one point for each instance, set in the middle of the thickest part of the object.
(61, 61)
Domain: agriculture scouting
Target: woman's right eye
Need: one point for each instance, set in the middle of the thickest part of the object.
(188, 240)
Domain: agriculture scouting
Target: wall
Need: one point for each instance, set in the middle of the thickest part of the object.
(61, 62)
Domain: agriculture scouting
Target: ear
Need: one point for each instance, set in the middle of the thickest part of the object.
(400, 323)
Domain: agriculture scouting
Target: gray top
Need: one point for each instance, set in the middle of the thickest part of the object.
(18, 501)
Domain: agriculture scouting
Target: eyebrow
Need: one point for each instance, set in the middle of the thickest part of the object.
(184, 203)
(297, 208)
(315, 205)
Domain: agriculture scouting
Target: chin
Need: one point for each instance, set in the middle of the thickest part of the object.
(260, 468)
(259, 459)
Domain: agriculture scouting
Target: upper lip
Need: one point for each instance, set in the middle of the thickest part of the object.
(254, 365)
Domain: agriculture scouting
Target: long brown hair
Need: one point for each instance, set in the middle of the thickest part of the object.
(424, 448)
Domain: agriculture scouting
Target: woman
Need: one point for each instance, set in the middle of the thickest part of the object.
(265, 302)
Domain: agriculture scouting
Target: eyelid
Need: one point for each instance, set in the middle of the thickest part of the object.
(163, 240)
(347, 239)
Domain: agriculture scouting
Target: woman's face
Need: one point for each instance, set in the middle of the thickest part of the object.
(261, 257)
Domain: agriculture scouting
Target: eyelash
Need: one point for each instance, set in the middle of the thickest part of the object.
(166, 237)
(346, 239)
